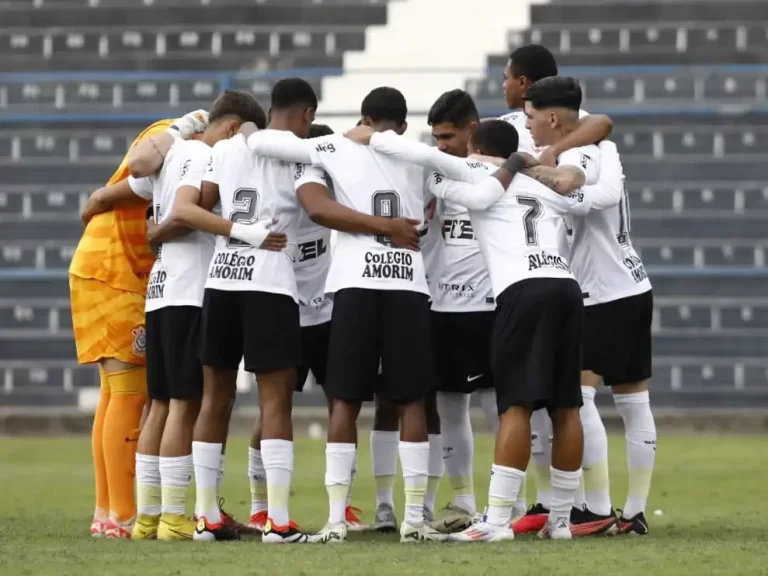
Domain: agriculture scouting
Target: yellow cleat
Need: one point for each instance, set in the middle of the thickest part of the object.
(175, 527)
(145, 527)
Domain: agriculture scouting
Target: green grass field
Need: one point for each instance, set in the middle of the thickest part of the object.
(712, 490)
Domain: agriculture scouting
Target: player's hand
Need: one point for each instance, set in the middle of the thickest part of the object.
(429, 209)
(275, 242)
(404, 233)
(548, 157)
(254, 234)
(248, 128)
(530, 161)
(94, 206)
(191, 124)
(360, 134)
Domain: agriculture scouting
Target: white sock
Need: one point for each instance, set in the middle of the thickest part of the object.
(434, 470)
(278, 464)
(458, 447)
(580, 498)
(175, 474)
(502, 494)
(352, 481)
(257, 477)
(207, 461)
(564, 487)
(595, 460)
(384, 447)
(220, 476)
(541, 452)
(640, 434)
(339, 461)
(414, 457)
(148, 499)
(488, 404)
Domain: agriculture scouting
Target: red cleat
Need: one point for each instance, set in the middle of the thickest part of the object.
(229, 521)
(586, 523)
(533, 521)
(258, 521)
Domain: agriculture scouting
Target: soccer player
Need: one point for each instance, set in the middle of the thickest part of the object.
(380, 294)
(526, 65)
(107, 279)
(174, 300)
(462, 321)
(536, 295)
(617, 332)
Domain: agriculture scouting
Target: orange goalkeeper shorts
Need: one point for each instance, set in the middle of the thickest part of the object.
(108, 323)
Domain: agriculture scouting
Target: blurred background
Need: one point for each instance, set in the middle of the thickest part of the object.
(684, 81)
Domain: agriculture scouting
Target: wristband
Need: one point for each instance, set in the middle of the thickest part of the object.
(514, 164)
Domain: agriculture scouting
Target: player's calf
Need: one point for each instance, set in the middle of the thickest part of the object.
(148, 480)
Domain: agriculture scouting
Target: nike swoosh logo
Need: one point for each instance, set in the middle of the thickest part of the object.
(473, 378)
(451, 523)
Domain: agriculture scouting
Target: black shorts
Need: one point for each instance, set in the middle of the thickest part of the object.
(174, 371)
(314, 353)
(537, 344)
(261, 327)
(462, 350)
(617, 339)
(391, 325)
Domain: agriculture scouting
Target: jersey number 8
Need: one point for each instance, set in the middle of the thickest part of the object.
(244, 202)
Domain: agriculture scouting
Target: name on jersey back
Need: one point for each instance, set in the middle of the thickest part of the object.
(232, 266)
(395, 265)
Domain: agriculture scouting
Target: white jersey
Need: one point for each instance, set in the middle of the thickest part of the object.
(601, 253)
(252, 189)
(312, 261)
(432, 248)
(464, 284)
(525, 140)
(369, 183)
(178, 274)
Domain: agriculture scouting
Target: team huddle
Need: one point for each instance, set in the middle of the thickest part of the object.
(498, 263)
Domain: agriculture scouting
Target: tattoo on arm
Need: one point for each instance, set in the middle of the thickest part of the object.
(543, 174)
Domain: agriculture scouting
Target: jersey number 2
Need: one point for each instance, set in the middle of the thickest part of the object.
(624, 226)
(530, 218)
(244, 202)
(386, 203)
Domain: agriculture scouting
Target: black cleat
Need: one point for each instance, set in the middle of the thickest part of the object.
(636, 525)
(584, 522)
(208, 532)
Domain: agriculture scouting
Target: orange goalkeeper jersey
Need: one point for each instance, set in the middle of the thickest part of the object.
(114, 248)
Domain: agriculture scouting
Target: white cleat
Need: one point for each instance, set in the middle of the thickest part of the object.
(483, 532)
(453, 519)
(330, 534)
(421, 533)
(558, 530)
(354, 524)
(386, 521)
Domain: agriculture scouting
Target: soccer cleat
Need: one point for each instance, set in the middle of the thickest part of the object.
(586, 523)
(386, 521)
(517, 513)
(558, 530)
(421, 533)
(352, 518)
(230, 522)
(429, 517)
(208, 532)
(533, 521)
(257, 521)
(637, 525)
(145, 527)
(453, 519)
(118, 530)
(175, 527)
(98, 527)
(483, 532)
(290, 534)
(330, 534)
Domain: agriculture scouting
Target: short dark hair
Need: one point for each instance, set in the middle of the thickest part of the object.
(455, 106)
(534, 62)
(238, 103)
(555, 92)
(293, 93)
(385, 103)
(495, 138)
(318, 130)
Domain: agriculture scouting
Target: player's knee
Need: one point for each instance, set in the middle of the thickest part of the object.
(185, 410)
(385, 417)
(565, 417)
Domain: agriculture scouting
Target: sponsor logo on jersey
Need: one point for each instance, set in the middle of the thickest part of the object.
(232, 266)
(326, 147)
(546, 260)
(395, 265)
(466, 291)
(311, 250)
(299, 172)
(476, 165)
(139, 345)
(577, 195)
(458, 229)
(209, 168)
(156, 285)
(185, 167)
(438, 177)
(635, 267)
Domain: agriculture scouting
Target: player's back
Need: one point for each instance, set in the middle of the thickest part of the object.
(374, 184)
(253, 189)
(519, 233)
(114, 248)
